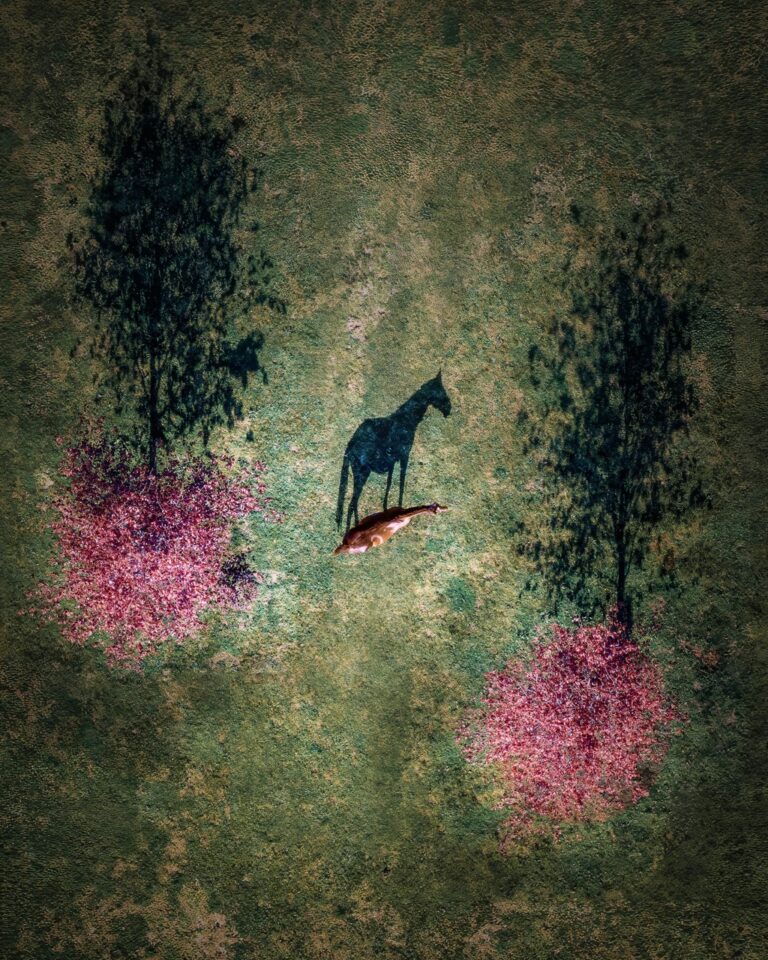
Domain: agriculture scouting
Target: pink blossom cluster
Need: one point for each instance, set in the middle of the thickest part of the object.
(576, 733)
(141, 557)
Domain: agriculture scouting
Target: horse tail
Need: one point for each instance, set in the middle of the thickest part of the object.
(342, 487)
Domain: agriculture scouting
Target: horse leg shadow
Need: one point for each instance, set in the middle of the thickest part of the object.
(403, 471)
(360, 479)
(389, 484)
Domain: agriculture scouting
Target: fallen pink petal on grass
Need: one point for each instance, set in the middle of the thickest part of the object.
(576, 733)
(141, 557)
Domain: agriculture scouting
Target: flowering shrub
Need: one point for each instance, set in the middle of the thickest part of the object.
(575, 734)
(140, 556)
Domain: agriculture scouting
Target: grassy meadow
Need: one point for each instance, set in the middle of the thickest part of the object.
(289, 786)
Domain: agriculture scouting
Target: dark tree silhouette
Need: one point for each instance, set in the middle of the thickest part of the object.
(161, 260)
(616, 398)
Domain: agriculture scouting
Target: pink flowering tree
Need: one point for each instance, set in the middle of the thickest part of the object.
(573, 735)
(143, 556)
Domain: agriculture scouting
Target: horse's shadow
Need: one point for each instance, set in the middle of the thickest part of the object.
(379, 444)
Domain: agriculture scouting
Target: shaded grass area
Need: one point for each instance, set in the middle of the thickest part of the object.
(291, 788)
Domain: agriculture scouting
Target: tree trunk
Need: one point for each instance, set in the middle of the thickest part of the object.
(623, 602)
(154, 413)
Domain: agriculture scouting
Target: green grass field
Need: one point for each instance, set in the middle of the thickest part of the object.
(291, 788)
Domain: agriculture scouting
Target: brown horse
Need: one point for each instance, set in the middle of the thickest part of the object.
(379, 527)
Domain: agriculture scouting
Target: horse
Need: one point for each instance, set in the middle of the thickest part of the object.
(380, 527)
(380, 443)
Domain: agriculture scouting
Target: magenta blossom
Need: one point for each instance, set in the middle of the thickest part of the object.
(576, 733)
(142, 557)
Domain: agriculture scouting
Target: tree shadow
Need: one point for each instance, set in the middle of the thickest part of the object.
(608, 438)
(381, 443)
(164, 258)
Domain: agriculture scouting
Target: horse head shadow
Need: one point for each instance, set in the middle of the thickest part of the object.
(379, 444)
